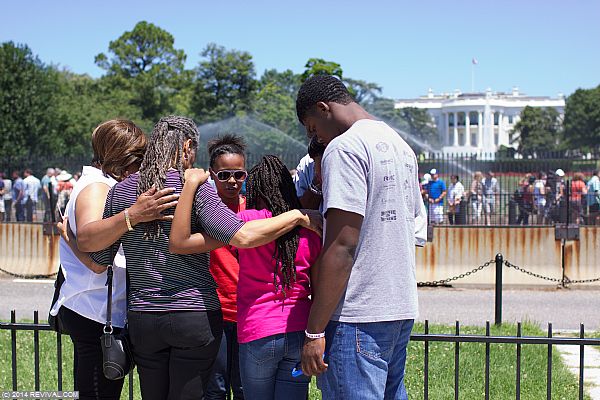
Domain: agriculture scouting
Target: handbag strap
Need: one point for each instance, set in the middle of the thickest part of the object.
(109, 279)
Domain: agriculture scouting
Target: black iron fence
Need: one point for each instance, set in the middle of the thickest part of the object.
(426, 337)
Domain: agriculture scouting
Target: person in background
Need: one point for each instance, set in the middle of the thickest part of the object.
(19, 196)
(491, 191)
(476, 197)
(48, 182)
(436, 191)
(539, 198)
(274, 289)
(2, 209)
(308, 186)
(578, 190)
(228, 171)
(593, 198)
(64, 187)
(455, 196)
(7, 198)
(32, 190)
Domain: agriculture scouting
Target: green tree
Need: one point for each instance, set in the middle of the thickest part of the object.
(318, 66)
(582, 119)
(145, 61)
(27, 103)
(225, 84)
(419, 124)
(538, 130)
(363, 92)
(275, 102)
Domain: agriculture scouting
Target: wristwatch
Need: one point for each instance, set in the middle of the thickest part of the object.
(313, 188)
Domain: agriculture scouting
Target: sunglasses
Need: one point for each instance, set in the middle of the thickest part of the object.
(226, 174)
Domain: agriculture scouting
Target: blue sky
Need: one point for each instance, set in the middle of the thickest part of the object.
(542, 46)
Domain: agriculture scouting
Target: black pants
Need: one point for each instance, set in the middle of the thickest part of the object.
(89, 378)
(175, 351)
(19, 211)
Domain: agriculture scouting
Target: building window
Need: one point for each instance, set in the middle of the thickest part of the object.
(461, 137)
(510, 119)
(461, 119)
(496, 118)
(474, 139)
(451, 119)
(473, 118)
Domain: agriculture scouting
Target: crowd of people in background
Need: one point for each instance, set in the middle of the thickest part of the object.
(25, 198)
(542, 198)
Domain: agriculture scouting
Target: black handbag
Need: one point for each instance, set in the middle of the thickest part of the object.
(55, 321)
(117, 358)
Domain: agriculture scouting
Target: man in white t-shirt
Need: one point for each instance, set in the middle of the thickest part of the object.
(365, 293)
(32, 189)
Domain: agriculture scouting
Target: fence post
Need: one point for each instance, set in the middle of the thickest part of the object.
(498, 305)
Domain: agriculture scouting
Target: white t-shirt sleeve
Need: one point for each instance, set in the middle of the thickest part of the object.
(344, 182)
(304, 175)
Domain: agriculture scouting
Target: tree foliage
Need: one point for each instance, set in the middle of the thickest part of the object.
(225, 84)
(318, 66)
(582, 119)
(538, 130)
(27, 103)
(146, 62)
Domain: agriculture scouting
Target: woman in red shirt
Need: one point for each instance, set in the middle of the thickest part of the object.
(578, 189)
(228, 171)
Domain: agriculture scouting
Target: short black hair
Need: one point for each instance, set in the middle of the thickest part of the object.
(325, 88)
(315, 148)
(226, 144)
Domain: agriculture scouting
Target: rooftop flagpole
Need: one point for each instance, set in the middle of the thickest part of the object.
(474, 62)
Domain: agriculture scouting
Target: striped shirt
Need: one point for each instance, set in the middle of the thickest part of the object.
(158, 279)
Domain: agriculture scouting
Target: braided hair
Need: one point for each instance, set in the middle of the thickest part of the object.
(165, 151)
(325, 88)
(271, 181)
(226, 144)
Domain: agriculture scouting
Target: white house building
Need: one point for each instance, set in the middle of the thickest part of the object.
(478, 122)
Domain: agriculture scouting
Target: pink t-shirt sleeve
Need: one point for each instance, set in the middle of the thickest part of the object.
(250, 215)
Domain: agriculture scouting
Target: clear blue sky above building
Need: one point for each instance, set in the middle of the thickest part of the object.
(542, 46)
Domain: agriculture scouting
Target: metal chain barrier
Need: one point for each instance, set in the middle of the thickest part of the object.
(562, 281)
(20, 276)
(454, 278)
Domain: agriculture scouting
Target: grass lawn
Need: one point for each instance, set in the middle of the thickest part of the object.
(441, 367)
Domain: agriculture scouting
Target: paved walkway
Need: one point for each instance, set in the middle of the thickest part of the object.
(591, 371)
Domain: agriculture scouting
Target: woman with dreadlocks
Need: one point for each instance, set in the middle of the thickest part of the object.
(174, 314)
(273, 290)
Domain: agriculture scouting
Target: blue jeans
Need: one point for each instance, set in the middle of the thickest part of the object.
(266, 367)
(225, 375)
(365, 361)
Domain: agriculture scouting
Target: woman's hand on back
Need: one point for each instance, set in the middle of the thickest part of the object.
(195, 176)
(313, 220)
(150, 205)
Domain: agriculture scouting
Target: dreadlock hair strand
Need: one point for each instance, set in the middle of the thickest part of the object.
(325, 88)
(165, 151)
(271, 182)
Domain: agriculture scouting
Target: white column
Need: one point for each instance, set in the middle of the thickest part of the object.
(455, 144)
(447, 130)
(500, 127)
(480, 131)
(467, 129)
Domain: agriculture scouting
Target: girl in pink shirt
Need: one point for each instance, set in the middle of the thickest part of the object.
(273, 290)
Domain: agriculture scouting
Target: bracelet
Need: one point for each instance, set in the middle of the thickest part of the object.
(314, 335)
(127, 220)
(313, 188)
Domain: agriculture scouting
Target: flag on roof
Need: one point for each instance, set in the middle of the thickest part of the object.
(474, 61)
